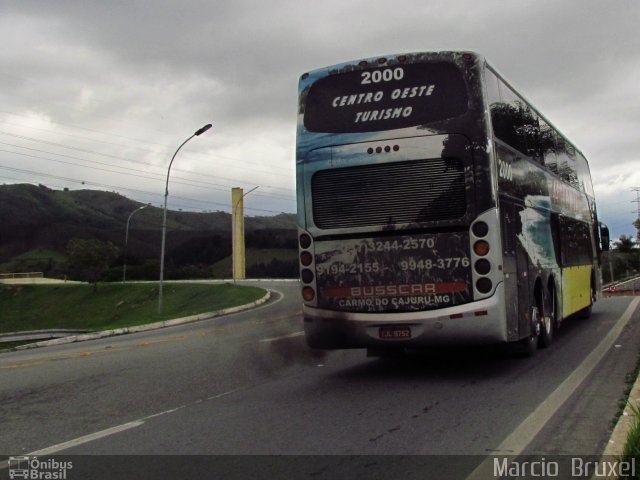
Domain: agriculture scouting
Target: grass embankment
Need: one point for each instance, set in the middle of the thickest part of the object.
(631, 450)
(113, 305)
(632, 447)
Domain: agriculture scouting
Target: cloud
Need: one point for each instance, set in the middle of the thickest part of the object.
(131, 80)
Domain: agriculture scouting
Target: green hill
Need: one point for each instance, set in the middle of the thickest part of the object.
(37, 223)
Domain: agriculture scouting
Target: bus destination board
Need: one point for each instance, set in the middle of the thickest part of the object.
(386, 98)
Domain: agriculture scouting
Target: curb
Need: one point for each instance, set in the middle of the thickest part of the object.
(144, 328)
(618, 439)
(38, 334)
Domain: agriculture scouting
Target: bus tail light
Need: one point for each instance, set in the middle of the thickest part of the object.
(305, 240)
(306, 259)
(481, 248)
(308, 294)
(480, 229)
(484, 236)
(484, 285)
(482, 266)
(307, 267)
(306, 276)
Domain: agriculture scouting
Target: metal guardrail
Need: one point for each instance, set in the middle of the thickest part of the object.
(7, 276)
(626, 287)
(34, 280)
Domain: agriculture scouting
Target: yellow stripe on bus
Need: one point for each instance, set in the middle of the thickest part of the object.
(576, 289)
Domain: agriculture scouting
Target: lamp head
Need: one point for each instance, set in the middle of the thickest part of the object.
(203, 129)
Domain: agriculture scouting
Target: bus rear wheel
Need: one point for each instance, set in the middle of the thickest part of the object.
(548, 319)
(528, 346)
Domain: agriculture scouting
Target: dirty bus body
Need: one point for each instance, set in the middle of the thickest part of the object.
(437, 206)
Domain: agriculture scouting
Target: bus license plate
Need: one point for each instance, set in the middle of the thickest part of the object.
(394, 333)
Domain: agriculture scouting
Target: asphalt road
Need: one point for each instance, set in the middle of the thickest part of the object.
(246, 384)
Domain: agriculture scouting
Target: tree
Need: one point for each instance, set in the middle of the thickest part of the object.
(624, 244)
(91, 257)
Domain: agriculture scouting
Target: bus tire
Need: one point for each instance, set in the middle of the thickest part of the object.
(528, 346)
(548, 321)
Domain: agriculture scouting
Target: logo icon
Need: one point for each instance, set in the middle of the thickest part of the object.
(31, 468)
(18, 467)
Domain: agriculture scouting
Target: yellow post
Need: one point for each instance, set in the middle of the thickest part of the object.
(237, 233)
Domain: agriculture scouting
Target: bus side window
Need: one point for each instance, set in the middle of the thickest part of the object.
(566, 162)
(507, 119)
(584, 177)
(531, 133)
(548, 147)
(493, 90)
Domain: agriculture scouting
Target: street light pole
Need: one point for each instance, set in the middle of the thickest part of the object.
(237, 234)
(164, 212)
(126, 242)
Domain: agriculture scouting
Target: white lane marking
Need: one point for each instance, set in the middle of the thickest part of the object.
(219, 395)
(268, 304)
(279, 299)
(86, 438)
(195, 402)
(120, 428)
(274, 339)
(516, 442)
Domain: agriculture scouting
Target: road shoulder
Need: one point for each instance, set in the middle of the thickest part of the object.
(147, 327)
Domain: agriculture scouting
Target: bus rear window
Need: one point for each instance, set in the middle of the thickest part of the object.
(385, 98)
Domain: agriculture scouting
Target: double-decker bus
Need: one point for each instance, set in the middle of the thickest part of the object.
(437, 206)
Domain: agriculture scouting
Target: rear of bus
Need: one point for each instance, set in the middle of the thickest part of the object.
(398, 233)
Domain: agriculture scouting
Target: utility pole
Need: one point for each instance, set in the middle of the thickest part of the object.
(637, 222)
(637, 212)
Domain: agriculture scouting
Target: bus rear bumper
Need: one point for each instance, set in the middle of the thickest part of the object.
(477, 323)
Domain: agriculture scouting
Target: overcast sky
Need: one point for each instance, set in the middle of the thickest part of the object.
(103, 92)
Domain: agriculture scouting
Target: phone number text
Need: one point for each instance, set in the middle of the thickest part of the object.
(408, 265)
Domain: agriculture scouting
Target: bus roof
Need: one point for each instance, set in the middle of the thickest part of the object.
(393, 59)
